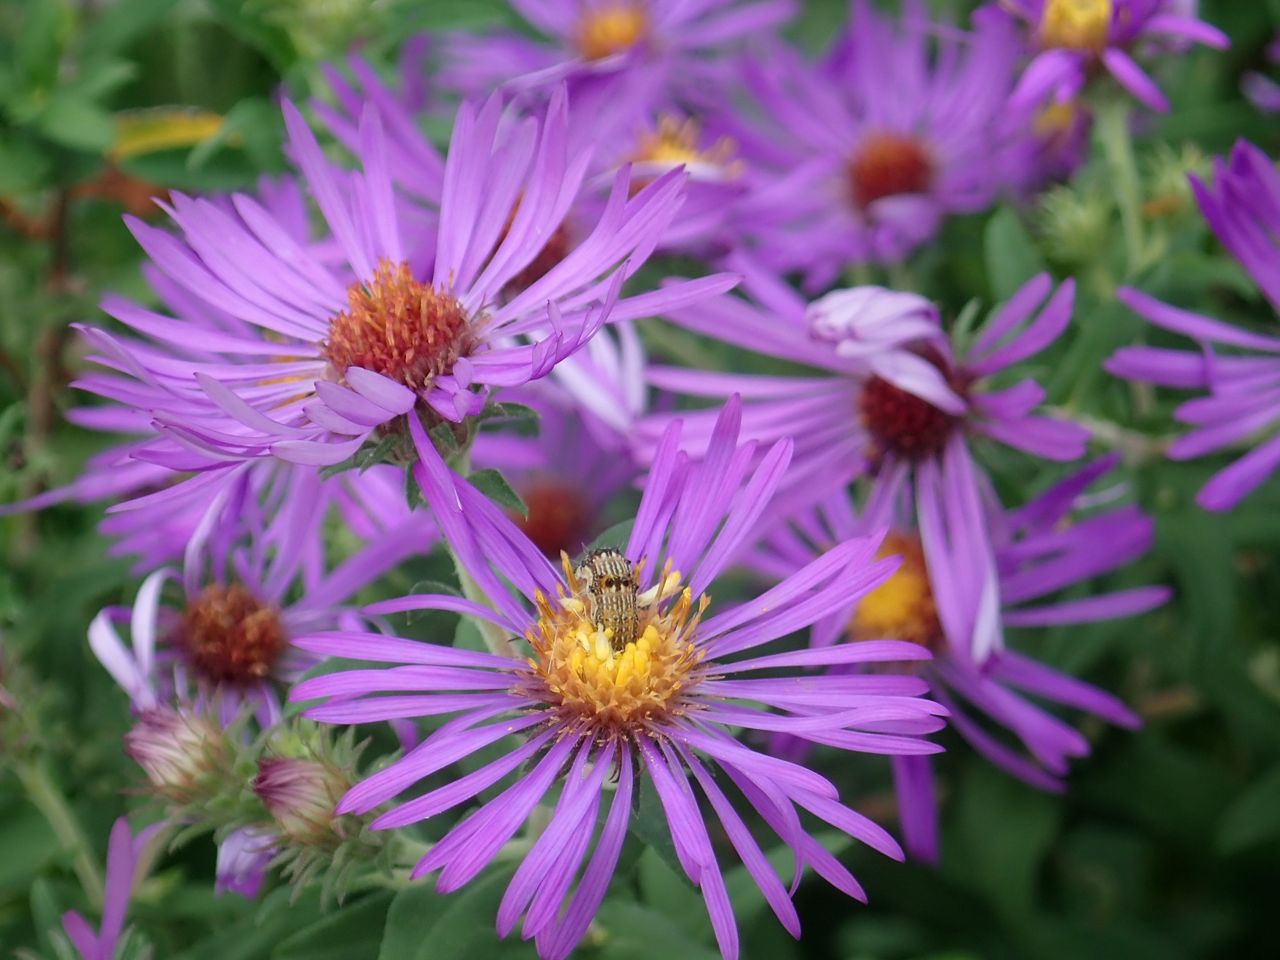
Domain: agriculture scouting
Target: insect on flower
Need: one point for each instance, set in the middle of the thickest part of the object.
(612, 588)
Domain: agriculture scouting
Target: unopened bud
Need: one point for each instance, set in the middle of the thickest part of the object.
(182, 753)
(301, 796)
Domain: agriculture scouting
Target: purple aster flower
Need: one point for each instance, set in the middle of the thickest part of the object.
(316, 359)
(581, 456)
(630, 673)
(1261, 89)
(586, 39)
(1243, 385)
(859, 158)
(1075, 37)
(1040, 549)
(620, 123)
(125, 858)
(888, 393)
(226, 641)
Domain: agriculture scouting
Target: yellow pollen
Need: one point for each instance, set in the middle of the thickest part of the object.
(576, 669)
(901, 608)
(1076, 24)
(611, 27)
(675, 142)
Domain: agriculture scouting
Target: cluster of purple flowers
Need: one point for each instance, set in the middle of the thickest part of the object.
(388, 305)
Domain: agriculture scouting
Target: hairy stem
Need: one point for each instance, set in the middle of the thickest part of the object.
(48, 799)
(1117, 144)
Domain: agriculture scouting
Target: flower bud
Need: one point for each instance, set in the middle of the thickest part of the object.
(183, 754)
(301, 796)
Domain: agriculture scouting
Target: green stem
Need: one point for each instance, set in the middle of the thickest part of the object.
(1117, 144)
(48, 799)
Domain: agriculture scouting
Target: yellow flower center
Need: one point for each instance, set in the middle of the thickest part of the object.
(675, 142)
(577, 670)
(610, 28)
(1076, 24)
(901, 608)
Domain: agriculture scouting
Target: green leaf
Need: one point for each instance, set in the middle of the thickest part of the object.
(649, 826)
(103, 78)
(1254, 817)
(352, 931)
(38, 46)
(414, 911)
(629, 931)
(1012, 257)
(118, 24)
(78, 123)
(615, 537)
(426, 925)
(371, 454)
(46, 910)
(494, 485)
(29, 845)
(1003, 833)
(254, 125)
(24, 167)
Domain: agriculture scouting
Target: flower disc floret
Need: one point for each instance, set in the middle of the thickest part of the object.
(888, 165)
(903, 423)
(611, 28)
(230, 636)
(615, 689)
(903, 607)
(398, 326)
(1082, 25)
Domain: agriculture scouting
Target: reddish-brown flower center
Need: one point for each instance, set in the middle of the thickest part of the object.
(230, 636)
(559, 519)
(902, 423)
(399, 327)
(888, 164)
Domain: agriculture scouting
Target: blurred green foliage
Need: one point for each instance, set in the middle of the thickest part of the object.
(1167, 845)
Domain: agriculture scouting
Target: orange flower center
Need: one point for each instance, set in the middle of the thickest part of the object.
(886, 165)
(230, 636)
(901, 608)
(1077, 24)
(611, 27)
(397, 326)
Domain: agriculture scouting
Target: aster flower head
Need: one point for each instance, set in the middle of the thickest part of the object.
(936, 598)
(1237, 369)
(632, 673)
(585, 40)
(219, 637)
(318, 358)
(888, 390)
(1073, 38)
(126, 854)
(906, 412)
(860, 157)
